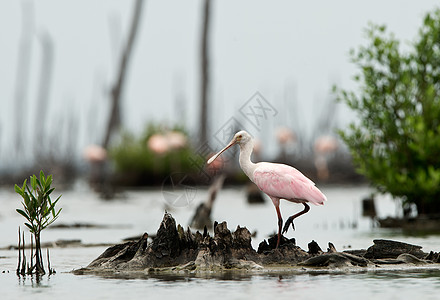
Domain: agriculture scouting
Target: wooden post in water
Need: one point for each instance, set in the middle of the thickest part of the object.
(19, 251)
(32, 256)
(23, 265)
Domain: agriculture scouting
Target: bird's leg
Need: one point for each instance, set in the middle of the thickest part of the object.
(291, 218)
(276, 203)
(280, 224)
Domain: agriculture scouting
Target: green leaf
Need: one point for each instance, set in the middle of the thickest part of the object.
(31, 228)
(48, 192)
(24, 185)
(26, 199)
(44, 210)
(34, 182)
(52, 207)
(30, 194)
(18, 190)
(53, 219)
(25, 208)
(21, 212)
(49, 181)
(40, 200)
(42, 178)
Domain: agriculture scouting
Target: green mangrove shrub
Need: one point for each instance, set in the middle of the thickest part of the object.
(39, 212)
(396, 143)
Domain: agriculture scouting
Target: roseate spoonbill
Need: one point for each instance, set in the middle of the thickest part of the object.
(161, 143)
(285, 135)
(176, 140)
(278, 181)
(95, 154)
(158, 143)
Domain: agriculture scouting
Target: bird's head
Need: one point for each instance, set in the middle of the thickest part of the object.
(240, 138)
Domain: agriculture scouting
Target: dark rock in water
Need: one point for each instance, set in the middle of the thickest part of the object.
(368, 207)
(314, 248)
(411, 259)
(360, 252)
(242, 238)
(421, 223)
(223, 237)
(254, 194)
(202, 217)
(287, 252)
(263, 247)
(392, 249)
(167, 242)
(267, 246)
(271, 243)
(331, 248)
(335, 260)
(433, 257)
(118, 254)
(174, 248)
(404, 258)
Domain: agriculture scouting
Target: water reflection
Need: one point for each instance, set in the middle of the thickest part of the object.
(175, 277)
(286, 276)
(361, 285)
(34, 281)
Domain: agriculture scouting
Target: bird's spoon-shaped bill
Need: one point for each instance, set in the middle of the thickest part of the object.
(232, 143)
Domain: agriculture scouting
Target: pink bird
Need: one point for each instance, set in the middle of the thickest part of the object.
(278, 181)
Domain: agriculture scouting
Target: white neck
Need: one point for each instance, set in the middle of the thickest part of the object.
(246, 164)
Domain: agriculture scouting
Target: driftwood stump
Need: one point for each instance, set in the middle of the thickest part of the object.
(174, 248)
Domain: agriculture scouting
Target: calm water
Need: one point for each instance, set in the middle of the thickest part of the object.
(136, 212)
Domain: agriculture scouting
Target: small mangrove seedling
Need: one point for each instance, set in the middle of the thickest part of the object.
(39, 212)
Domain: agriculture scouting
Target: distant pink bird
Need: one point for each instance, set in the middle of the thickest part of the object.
(95, 154)
(278, 181)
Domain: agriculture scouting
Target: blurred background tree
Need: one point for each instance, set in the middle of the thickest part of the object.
(396, 143)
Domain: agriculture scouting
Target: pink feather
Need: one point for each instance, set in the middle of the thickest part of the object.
(285, 182)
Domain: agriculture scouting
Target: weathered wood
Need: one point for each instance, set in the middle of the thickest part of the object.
(19, 252)
(23, 265)
(204, 68)
(392, 249)
(202, 216)
(175, 249)
(335, 260)
(314, 248)
(331, 248)
(114, 121)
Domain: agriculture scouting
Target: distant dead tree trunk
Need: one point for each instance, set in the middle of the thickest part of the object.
(22, 76)
(43, 92)
(205, 73)
(114, 121)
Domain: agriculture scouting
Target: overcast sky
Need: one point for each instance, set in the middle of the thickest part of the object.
(265, 46)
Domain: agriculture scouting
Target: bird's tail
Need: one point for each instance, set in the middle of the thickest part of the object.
(315, 196)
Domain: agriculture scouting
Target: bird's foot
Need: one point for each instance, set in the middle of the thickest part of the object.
(287, 224)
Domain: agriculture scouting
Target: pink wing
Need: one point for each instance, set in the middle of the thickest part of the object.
(285, 182)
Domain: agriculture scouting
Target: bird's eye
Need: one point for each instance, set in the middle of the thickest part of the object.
(240, 136)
